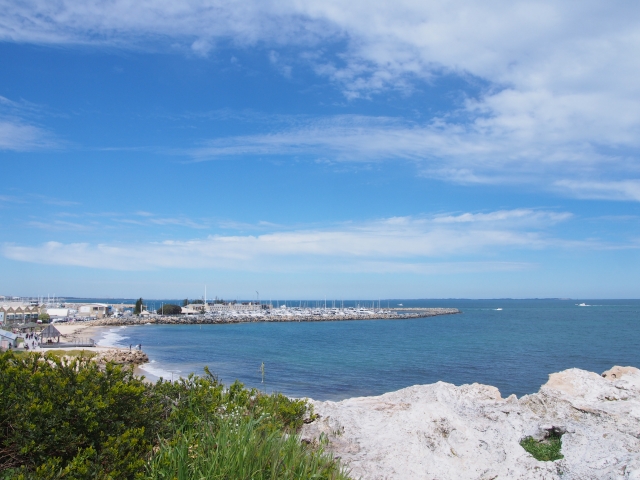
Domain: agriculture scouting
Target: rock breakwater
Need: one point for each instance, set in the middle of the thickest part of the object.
(443, 431)
(121, 356)
(280, 316)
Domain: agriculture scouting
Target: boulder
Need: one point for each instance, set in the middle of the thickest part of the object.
(442, 431)
(123, 357)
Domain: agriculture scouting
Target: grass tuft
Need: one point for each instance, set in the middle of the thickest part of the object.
(547, 450)
(241, 448)
(70, 353)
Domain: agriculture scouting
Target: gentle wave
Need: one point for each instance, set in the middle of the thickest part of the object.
(112, 339)
(152, 368)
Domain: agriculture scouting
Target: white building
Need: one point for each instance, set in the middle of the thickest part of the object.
(99, 310)
(61, 312)
(237, 307)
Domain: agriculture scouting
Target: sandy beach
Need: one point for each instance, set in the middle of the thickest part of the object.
(72, 331)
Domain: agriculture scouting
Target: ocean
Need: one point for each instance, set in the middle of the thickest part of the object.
(511, 344)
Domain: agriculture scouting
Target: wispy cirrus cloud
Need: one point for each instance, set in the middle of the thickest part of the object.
(17, 132)
(464, 154)
(392, 244)
(607, 190)
(560, 97)
(19, 136)
(61, 225)
(101, 220)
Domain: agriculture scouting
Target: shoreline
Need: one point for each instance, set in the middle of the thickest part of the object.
(73, 331)
(121, 355)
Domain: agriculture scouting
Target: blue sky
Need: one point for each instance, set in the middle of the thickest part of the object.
(403, 149)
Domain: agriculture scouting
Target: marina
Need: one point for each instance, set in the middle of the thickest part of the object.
(264, 313)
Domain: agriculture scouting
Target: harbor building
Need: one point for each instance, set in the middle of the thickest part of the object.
(99, 310)
(237, 307)
(18, 312)
(8, 340)
(55, 313)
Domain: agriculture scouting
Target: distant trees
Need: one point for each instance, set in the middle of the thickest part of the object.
(170, 309)
(44, 317)
(186, 302)
(138, 308)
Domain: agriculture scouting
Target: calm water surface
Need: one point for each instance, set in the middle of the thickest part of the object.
(513, 349)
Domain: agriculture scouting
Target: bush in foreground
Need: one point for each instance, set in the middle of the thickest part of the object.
(74, 420)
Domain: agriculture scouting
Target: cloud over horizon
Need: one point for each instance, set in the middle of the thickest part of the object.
(397, 244)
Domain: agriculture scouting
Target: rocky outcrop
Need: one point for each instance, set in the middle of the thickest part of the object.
(442, 431)
(123, 357)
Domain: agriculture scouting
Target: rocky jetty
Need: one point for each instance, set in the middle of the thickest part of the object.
(121, 356)
(442, 431)
(279, 316)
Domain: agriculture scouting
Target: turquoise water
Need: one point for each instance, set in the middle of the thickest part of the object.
(513, 349)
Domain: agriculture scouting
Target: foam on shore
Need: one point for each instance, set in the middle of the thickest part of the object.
(112, 338)
(155, 370)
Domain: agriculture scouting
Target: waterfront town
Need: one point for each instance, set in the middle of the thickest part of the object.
(31, 322)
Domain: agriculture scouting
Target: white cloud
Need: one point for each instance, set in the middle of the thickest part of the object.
(607, 190)
(457, 153)
(393, 244)
(518, 216)
(111, 220)
(15, 135)
(561, 96)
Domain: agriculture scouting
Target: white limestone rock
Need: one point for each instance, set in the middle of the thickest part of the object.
(121, 356)
(441, 431)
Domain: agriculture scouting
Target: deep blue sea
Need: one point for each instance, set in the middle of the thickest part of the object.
(514, 349)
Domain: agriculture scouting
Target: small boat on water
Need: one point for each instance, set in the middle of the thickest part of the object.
(497, 309)
(583, 305)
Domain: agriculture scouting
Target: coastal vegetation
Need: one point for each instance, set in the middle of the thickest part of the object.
(186, 302)
(72, 419)
(139, 306)
(169, 309)
(546, 450)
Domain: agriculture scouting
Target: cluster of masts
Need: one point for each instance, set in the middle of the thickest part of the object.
(39, 301)
(308, 304)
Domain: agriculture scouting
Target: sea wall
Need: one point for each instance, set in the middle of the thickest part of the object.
(442, 431)
(279, 317)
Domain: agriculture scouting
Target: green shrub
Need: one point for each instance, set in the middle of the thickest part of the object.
(70, 419)
(547, 450)
(75, 420)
